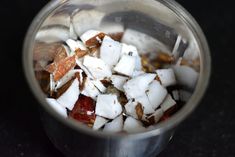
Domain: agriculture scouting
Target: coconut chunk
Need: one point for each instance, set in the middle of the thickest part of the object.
(53, 34)
(69, 98)
(110, 51)
(184, 95)
(99, 122)
(108, 106)
(74, 45)
(85, 20)
(97, 67)
(90, 89)
(168, 103)
(99, 85)
(57, 107)
(137, 86)
(126, 65)
(89, 35)
(87, 72)
(130, 109)
(144, 101)
(132, 51)
(156, 93)
(137, 73)
(186, 76)
(119, 81)
(157, 115)
(144, 43)
(115, 126)
(166, 76)
(131, 125)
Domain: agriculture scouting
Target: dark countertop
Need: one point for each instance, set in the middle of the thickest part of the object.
(208, 132)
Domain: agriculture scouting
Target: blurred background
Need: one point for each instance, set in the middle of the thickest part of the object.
(208, 132)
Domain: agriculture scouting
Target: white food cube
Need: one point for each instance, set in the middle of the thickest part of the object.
(131, 125)
(74, 45)
(110, 51)
(157, 115)
(137, 86)
(144, 43)
(85, 20)
(115, 126)
(99, 85)
(69, 98)
(89, 35)
(90, 90)
(168, 103)
(186, 76)
(132, 51)
(107, 106)
(67, 77)
(126, 65)
(144, 101)
(137, 73)
(57, 107)
(156, 94)
(99, 122)
(166, 76)
(97, 67)
(130, 109)
(119, 81)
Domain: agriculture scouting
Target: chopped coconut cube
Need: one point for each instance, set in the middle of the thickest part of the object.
(107, 106)
(119, 81)
(184, 95)
(57, 107)
(131, 125)
(74, 45)
(137, 86)
(186, 76)
(130, 108)
(110, 51)
(69, 98)
(99, 85)
(87, 72)
(157, 115)
(144, 43)
(90, 90)
(167, 77)
(126, 65)
(99, 122)
(156, 94)
(67, 77)
(97, 67)
(86, 19)
(168, 103)
(89, 35)
(144, 101)
(132, 51)
(115, 126)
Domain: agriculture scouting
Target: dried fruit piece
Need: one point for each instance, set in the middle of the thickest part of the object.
(139, 111)
(84, 110)
(146, 65)
(80, 53)
(165, 58)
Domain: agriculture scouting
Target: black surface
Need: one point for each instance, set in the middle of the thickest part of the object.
(209, 132)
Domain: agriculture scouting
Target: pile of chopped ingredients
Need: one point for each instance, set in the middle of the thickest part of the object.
(109, 85)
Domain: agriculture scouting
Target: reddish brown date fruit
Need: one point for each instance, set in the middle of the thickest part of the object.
(84, 110)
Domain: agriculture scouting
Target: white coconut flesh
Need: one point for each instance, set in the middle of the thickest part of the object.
(110, 51)
(114, 126)
(118, 66)
(108, 106)
(69, 98)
